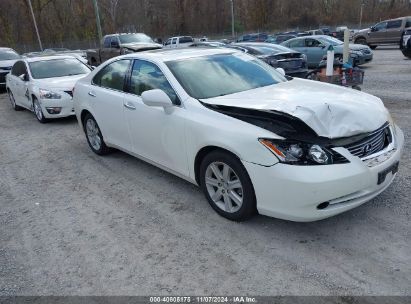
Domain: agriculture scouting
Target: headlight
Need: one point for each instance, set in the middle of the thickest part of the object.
(302, 154)
(358, 53)
(304, 57)
(46, 94)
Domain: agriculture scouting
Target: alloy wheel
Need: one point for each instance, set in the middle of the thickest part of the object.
(37, 110)
(93, 134)
(224, 187)
(12, 101)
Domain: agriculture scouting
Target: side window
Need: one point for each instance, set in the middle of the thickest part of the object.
(112, 76)
(114, 42)
(408, 23)
(147, 76)
(394, 24)
(168, 42)
(296, 43)
(106, 43)
(174, 41)
(19, 68)
(381, 26)
(312, 43)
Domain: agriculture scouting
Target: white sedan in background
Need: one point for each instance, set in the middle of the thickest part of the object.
(250, 138)
(45, 85)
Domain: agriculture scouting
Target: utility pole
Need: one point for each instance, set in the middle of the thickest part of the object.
(232, 19)
(361, 10)
(35, 25)
(100, 35)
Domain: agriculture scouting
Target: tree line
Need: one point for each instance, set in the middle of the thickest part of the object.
(74, 20)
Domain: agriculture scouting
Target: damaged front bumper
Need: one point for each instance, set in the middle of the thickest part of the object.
(310, 193)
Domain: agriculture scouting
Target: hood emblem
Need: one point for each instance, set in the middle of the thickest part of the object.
(366, 149)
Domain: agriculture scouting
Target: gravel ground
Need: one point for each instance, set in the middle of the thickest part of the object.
(73, 223)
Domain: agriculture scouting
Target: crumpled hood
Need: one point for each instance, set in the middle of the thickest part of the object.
(331, 111)
(58, 83)
(136, 46)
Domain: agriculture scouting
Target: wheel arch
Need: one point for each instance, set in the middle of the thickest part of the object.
(83, 114)
(203, 152)
(360, 37)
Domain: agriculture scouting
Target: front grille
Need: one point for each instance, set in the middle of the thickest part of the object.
(3, 77)
(373, 143)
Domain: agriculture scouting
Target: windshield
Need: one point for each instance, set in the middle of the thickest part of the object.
(132, 38)
(330, 40)
(219, 75)
(57, 68)
(8, 55)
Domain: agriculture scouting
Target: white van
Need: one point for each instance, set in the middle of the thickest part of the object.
(178, 42)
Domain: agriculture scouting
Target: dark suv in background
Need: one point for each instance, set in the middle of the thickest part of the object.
(384, 32)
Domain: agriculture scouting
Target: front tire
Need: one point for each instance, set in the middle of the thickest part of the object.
(227, 186)
(361, 41)
(94, 137)
(38, 112)
(13, 101)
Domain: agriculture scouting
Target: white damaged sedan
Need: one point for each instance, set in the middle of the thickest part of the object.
(45, 85)
(253, 140)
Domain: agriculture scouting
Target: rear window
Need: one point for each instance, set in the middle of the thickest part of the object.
(186, 39)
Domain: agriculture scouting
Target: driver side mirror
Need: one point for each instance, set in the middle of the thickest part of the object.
(322, 46)
(281, 71)
(156, 98)
(24, 77)
(373, 29)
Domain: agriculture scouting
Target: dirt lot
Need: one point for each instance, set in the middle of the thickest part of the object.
(75, 223)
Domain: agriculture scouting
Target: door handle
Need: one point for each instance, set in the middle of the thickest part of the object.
(129, 106)
(92, 94)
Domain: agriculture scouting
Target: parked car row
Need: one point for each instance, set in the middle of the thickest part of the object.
(252, 139)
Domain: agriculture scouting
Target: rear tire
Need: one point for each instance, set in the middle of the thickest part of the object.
(94, 137)
(13, 101)
(227, 186)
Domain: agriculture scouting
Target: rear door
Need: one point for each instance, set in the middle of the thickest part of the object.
(394, 31)
(106, 97)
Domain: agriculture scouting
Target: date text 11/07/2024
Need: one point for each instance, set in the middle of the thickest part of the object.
(203, 299)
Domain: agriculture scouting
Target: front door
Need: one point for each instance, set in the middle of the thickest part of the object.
(378, 34)
(157, 134)
(19, 86)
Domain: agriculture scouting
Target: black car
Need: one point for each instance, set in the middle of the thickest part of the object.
(278, 56)
(259, 37)
(280, 38)
(405, 43)
(7, 59)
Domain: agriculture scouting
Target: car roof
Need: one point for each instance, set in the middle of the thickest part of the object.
(6, 49)
(47, 58)
(165, 55)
